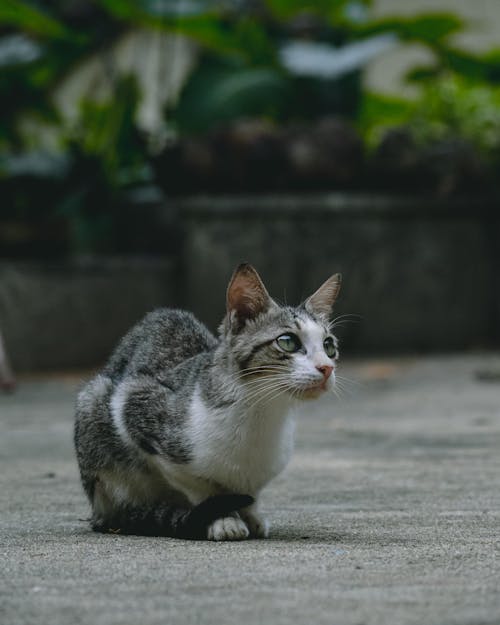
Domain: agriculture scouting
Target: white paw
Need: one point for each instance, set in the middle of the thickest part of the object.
(258, 526)
(228, 528)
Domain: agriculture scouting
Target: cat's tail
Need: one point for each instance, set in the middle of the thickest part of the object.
(167, 520)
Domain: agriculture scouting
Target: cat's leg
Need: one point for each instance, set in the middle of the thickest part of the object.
(227, 527)
(115, 510)
(258, 526)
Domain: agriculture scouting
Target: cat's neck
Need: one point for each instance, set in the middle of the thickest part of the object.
(244, 443)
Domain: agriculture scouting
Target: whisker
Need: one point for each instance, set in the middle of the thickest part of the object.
(264, 389)
(346, 316)
(338, 390)
(336, 393)
(348, 380)
(259, 380)
(280, 389)
(238, 377)
(260, 369)
(343, 319)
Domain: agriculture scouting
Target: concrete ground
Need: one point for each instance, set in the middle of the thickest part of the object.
(388, 514)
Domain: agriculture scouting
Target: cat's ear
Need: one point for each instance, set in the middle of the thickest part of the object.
(247, 296)
(321, 302)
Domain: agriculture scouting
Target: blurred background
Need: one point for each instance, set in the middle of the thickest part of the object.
(149, 146)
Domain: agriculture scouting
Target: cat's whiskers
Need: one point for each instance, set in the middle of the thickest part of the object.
(259, 386)
(239, 389)
(346, 385)
(342, 320)
(335, 392)
(349, 386)
(350, 316)
(259, 374)
(280, 393)
(339, 388)
(268, 395)
(237, 379)
(348, 380)
(266, 389)
(249, 371)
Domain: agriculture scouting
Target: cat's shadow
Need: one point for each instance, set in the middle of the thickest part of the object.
(322, 536)
(290, 534)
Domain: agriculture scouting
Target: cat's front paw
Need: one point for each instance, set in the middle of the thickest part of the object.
(228, 528)
(257, 525)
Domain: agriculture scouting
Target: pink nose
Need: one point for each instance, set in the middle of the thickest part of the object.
(326, 370)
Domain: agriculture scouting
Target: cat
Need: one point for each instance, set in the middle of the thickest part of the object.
(180, 431)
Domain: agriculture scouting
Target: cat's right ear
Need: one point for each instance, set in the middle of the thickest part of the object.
(321, 302)
(247, 296)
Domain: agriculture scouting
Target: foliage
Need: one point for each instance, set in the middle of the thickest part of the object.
(239, 73)
(219, 92)
(107, 161)
(429, 29)
(451, 108)
(457, 107)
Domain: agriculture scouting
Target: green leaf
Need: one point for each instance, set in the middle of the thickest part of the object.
(106, 130)
(457, 107)
(423, 73)
(330, 10)
(241, 37)
(474, 67)
(378, 112)
(26, 17)
(218, 93)
(244, 39)
(429, 28)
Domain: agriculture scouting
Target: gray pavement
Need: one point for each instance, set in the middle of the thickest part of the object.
(388, 514)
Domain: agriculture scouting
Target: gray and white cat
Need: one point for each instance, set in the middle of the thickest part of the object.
(180, 431)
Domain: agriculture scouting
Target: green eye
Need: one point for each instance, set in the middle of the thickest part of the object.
(330, 347)
(289, 343)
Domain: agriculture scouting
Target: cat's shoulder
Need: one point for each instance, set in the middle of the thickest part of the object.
(173, 317)
(174, 325)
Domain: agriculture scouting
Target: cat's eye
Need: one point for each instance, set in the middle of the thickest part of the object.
(289, 342)
(330, 347)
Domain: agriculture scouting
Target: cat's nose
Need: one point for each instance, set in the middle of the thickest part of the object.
(326, 370)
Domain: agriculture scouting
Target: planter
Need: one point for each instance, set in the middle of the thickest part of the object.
(422, 274)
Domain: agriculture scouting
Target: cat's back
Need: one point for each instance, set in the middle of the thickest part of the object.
(162, 340)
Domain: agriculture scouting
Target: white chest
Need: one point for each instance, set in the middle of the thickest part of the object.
(239, 448)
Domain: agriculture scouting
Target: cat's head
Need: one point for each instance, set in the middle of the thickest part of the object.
(281, 349)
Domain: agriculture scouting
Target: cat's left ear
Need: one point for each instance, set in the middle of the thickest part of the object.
(247, 296)
(321, 302)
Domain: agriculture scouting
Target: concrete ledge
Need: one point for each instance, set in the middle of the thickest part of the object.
(422, 274)
(308, 206)
(71, 314)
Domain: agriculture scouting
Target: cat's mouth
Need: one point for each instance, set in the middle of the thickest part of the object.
(313, 390)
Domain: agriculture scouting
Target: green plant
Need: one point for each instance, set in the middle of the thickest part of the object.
(458, 107)
(240, 73)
